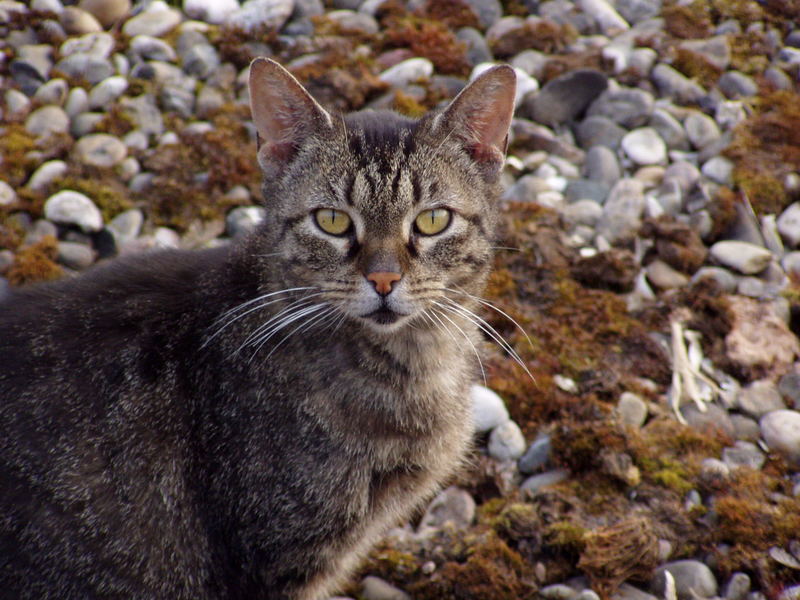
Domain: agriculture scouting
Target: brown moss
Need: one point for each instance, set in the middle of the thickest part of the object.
(241, 47)
(35, 263)
(451, 13)
(105, 190)
(750, 52)
(688, 21)
(408, 105)
(15, 143)
(116, 121)
(543, 35)
(431, 40)
(696, 66)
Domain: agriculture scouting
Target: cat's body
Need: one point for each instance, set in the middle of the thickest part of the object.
(244, 422)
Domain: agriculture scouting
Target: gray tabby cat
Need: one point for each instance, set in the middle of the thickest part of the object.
(246, 421)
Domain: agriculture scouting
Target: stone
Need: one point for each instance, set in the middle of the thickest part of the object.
(670, 129)
(735, 84)
(788, 224)
(759, 398)
(477, 48)
(582, 212)
(737, 587)
(536, 456)
(631, 409)
(374, 588)
(52, 92)
(712, 418)
(789, 388)
(685, 174)
(622, 212)
(17, 103)
(558, 591)
(75, 256)
(743, 454)
(100, 150)
(565, 97)
(713, 471)
(488, 409)
(85, 123)
(201, 60)
(536, 483)
(99, 44)
(105, 92)
(628, 592)
(452, 505)
(354, 23)
(693, 580)
(144, 113)
(147, 47)
(781, 432)
(7, 194)
(607, 18)
(628, 107)
(506, 442)
(47, 120)
(745, 428)
(602, 165)
(46, 174)
(532, 62)
(54, 6)
(107, 12)
(243, 219)
(674, 85)
(664, 277)
(487, 11)
(77, 102)
(157, 19)
(719, 170)
(126, 226)
(645, 147)
(255, 14)
(78, 22)
(743, 257)
(73, 208)
(599, 130)
(715, 50)
(83, 65)
(407, 72)
(701, 129)
(210, 11)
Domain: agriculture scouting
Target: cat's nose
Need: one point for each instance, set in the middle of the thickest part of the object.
(383, 281)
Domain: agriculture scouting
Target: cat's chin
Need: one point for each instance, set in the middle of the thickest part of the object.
(385, 319)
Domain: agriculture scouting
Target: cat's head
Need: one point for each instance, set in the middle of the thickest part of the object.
(381, 216)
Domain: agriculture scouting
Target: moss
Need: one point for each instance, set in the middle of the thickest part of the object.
(429, 39)
(15, 144)
(451, 13)
(688, 21)
(408, 105)
(750, 52)
(104, 189)
(35, 263)
(566, 536)
(696, 66)
(116, 121)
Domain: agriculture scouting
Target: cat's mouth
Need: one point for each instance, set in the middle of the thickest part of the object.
(383, 316)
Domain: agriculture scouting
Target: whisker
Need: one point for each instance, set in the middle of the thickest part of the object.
(304, 301)
(474, 349)
(299, 329)
(282, 324)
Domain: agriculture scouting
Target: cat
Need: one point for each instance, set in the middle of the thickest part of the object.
(246, 421)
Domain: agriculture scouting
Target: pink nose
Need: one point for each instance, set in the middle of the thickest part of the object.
(383, 281)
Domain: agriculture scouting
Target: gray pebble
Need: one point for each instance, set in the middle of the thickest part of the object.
(144, 113)
(626, 106)
(713, 417)
(693, 579)
(729, 114)
(645, 147)
(75, 256)
(99, 44)
(599, 130)
(47, 120)
(46, 174)
(73, 208)
(789, 388)
(85, 123)
(602, 165)
(17, 103)
(243, 219)
(255, 14)
(100, 150)
(38, 231)
(628, 592)
(156, 20)
(105, 92)
(631, 409)
(355, 22)
(752, 287)
(788, 224)
(743, 454)
(622, 211)
(77, 102)
(535, 483)
(477, 48)
(583, 212)
(126, 226)
(587, 595)
(713, 471)
(791, 262)
(715, 50)
(565, 97)
(452, 505)
(735, 84)
(506, 442)
(670, 129)
(201, 60)
(488, 409)
(664, 277)
(701, 129)
(743, 257)
(7, 194)
(407, 71)
(759, 398)
(52, 92)
(781, 431)
(374, 588)
(147, 47)
(536, 456)
(92, 68)
(210, 11)
(78, 22)
(719, 169)
(558, 591)
(745, 428)
(673, 84)
(586, 189)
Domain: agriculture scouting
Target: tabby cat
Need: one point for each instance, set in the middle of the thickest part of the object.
(245, 421)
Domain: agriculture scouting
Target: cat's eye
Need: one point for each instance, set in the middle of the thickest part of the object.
(332, 221)
(432, 221)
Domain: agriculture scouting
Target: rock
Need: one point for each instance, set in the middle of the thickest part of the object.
(759, 338)
(147, 47)
(759, 398)
(100, 150)
(743, 257)
(536, 456)
(17, 103)
(566, 97)
(745, 428)
(631, 409)
(719, 169)
(99, 44)
(107, 12)
(126, 226)
(781, 431)
(46, 174)
(724, 278)
(144, 113)
(558, 591)
(243, 219)
(673, 84)
(52, 92)
(737, 588)
(374, 588)
(77, 102)
(743, 454)
(582, 212)
(714, 472)
(210, 11)
(78, 22)
(156, 19)
(488, 409)
(105, 92)
(692, 578)
(477, 48)
(735, 84)
(75, 256)
(40, 230)
(53, 6)
(789, 388)
(715, 50)
(47, 120)
(622, 211)
(789, 225)
(506, 442)
(352, 22)
(407, 72)
(625, 106)
(7, 194)
(255, 14)
(645, 147)
(599, 131)
(664, 277)
(201, 60)
(85, 123)
(701, 129)
(602, 165)
(73, 208)
(627, 592)
(607, 18)
(487, 11)
(452, 505)
(712, 418)
(670, 130)
(535, 483)
(83, 65)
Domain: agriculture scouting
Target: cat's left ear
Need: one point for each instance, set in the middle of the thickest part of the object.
(480, 117)
(284, 113)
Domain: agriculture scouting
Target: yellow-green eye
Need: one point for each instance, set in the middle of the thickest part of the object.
(332, 221)
(432, 221)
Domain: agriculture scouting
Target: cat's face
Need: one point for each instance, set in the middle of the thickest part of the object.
(384, 219)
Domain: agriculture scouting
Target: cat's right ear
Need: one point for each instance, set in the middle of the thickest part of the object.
(284, 113)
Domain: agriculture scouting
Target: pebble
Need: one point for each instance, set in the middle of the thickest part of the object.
(781, 432)
(719, 169)
(788, 224)
(743, 257)
(52, 92)
(604, 14)
(789, 387)
(582, 212)
(210, 11)
(759, 398)
(82, 64)
(47, 120)
(735, 84)
(535, 483)
(7, 194)
(715, 50)
(78, 22)
(488, 409)
(599, 130)
(105, 92)
(85, 123)
(46, 174)
(75, 256)
(701, 129)
(631, 409)
(506, 442)
(477, 48)
(255, 14)
(77, 102)
(713, 417)
(452, 505)
(17, 103)
(126, 226)
(714, 472)
(644, 146)
(407, 72)
(536, 456)
(147, 47)
(107, 12)
(243, 219)
(567, 96)
(374, 588)
(201, 60)
(664, 277)
(73, 208)
(157, 19)
(743, 454)
(622, 211)
(745, 428)
(673, 84)
(670, 129)
(626, 107)
(100, 150)
(601, 165)
(693, 579)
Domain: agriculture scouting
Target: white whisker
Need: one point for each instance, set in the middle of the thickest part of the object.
(437, 314)
(488, 304)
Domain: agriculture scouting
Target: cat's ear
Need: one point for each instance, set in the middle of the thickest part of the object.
(480, 117)
(284, 113)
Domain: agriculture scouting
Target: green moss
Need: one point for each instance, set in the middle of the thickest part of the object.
(566, 536)
(103, 188)
(15, 144)
(35, 263)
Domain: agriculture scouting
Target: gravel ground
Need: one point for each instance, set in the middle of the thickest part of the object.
(650, 249)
